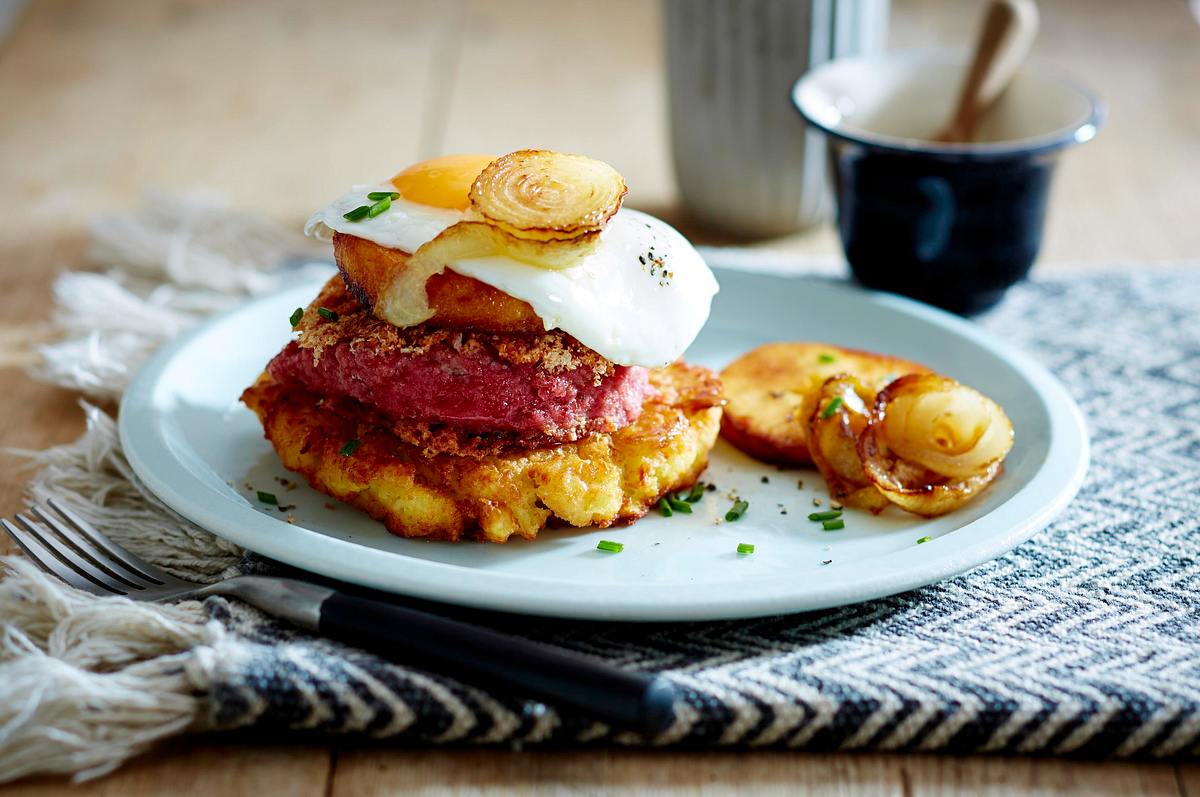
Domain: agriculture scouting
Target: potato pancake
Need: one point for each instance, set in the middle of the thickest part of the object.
(766, 387)
(600, 480)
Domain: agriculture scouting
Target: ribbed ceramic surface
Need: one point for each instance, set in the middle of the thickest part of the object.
(744, 161)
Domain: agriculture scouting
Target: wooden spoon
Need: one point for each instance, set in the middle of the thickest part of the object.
(1004, 40)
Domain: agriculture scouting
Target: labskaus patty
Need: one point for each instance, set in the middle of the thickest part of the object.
(534, 389)
(599, 480)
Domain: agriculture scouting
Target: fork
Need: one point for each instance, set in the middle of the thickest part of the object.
(71, 549)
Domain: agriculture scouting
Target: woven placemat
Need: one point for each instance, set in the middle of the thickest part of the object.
(1083, 641)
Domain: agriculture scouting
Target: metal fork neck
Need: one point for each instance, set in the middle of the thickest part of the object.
(298, 602)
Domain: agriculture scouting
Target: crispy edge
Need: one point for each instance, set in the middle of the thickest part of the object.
(601, 480)
(458, 302)
(765, 390)
(355, 326)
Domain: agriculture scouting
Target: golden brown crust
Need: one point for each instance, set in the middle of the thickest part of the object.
(766, 389)
(458, 302)
(600, 480)
(553, 351)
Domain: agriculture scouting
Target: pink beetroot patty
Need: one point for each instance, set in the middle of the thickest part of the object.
(473, 383)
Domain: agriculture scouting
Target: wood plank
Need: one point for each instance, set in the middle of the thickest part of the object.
(474, 773)
(197, 769)
(283, 105)
(453, 774)
(280, 106)
(572, 76)
(32, 415)
(945, 776)
(1189, 779)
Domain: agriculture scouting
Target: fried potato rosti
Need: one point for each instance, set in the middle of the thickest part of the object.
(766, 388)
(600, 480)
(458, 302)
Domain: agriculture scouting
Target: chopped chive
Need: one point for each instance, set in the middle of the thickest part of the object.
(831, 408)
(358, 214)
(379, 207)
(268, 498)
(826, 358)
(924, 539)
(375, 196)
(297, 314)
(739, 509)
(695, 494)
(745, 547)
(610, 546)
(350, 447)
(833, 515)
(664, 507)
(833, 525)
(679, 506)
(765, 480)
(327, 314)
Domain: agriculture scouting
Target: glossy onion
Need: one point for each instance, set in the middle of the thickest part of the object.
(837, 414)
(543, 196)
(932, 443)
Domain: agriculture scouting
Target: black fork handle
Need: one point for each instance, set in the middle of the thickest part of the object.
(629, 700)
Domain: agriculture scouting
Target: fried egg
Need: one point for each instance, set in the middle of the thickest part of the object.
(639, 298)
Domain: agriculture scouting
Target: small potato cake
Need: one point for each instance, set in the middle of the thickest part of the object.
(600, 480)
(766, 387)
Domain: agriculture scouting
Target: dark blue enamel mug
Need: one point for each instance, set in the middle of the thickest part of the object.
(954, 225)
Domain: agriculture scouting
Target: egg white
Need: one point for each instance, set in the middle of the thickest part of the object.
(406, 225)
(639, 299)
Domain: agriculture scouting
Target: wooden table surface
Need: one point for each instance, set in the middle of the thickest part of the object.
(280, 105)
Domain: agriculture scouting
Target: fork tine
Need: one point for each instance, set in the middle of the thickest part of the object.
(68, 557)
(111, 567)
(49, 562)
(133, 564)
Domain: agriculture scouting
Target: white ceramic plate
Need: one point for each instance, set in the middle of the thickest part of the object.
(203, 453)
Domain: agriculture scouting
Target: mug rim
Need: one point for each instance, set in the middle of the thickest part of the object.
(1078, 132)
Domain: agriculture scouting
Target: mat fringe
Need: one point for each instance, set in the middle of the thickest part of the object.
(86, 682)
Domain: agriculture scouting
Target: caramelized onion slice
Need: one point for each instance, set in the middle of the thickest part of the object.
(837, 414)
(943, 426)
(932, 444)
(541, 195)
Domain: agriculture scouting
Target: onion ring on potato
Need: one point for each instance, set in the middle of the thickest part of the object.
(540, 195)
(405, 301)
(457, 302)
(837, 414)
(931, 444)
(542, 208)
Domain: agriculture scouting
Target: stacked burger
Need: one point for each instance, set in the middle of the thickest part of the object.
(499, 352)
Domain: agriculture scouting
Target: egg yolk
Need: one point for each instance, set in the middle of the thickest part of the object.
(441, 182)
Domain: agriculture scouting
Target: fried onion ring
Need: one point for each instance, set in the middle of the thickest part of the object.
(931, 444)
(837, 415)
(539, 195)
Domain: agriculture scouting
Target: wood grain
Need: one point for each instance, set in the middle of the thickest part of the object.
(191, 769)
(614, 772)
(937, 776)
(1189, 780)
(280, 105)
